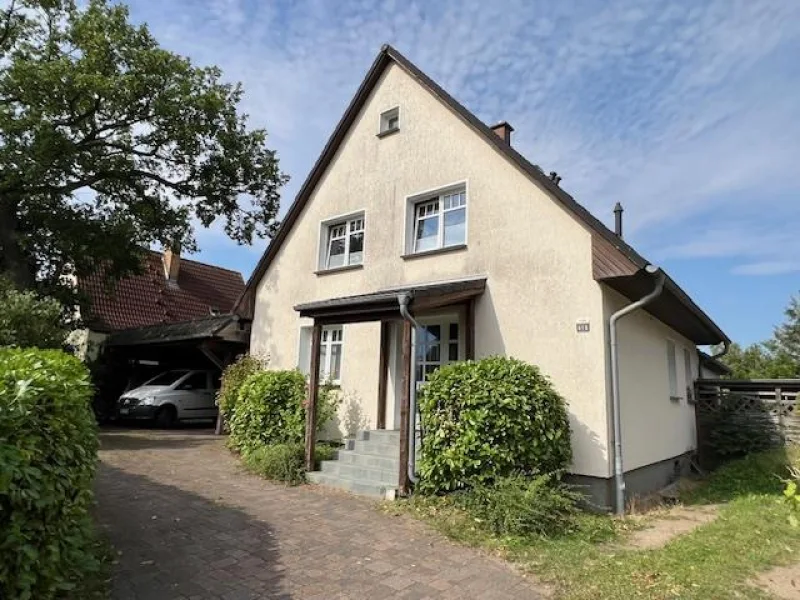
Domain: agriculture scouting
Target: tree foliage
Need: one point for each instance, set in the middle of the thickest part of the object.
(27, 320)
(759, 361)
(91, 103)
(786, 339)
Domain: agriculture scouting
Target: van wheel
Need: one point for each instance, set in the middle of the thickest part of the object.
(166, 417)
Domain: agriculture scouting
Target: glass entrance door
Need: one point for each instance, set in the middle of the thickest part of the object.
(437, 344)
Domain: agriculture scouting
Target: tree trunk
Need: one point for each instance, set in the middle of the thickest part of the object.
(14, 263)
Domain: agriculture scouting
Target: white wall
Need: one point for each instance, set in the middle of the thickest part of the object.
(654, 427)
(536, 255)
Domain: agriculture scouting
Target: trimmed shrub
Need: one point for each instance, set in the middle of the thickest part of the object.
(269, 410)
(488, 419)
(48, 456)
(28, 320)
(233, 378)
(519, 505)
(284, 462)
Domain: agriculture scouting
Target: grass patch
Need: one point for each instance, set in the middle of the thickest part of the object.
(714, 561)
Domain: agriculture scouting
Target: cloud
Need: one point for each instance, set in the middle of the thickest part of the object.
(684, 111)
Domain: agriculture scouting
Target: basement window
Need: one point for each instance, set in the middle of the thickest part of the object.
(390, 121)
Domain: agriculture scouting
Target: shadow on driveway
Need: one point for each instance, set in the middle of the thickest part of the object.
(174, 544)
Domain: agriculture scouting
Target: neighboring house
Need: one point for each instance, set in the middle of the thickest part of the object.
(173, 301)
(712, 368)
(414, 199)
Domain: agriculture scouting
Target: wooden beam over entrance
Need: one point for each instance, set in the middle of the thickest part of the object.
(469, 333)
(313, 392)
(405, 404)
(383, 373)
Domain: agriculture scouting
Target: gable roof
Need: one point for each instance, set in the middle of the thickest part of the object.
(623, 259)
(150, 299)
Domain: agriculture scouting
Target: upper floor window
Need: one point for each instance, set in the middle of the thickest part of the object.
(390, 121)
(344, 243)
(440, 222)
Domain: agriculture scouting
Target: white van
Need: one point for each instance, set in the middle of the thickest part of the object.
(172, 396)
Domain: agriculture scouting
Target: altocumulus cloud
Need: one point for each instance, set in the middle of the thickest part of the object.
(686, 111)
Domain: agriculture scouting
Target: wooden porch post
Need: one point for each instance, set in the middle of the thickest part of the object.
(469, 334)
(383, 373)
(405, 403)
(313, 391)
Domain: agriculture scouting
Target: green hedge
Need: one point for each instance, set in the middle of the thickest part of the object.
(269, 410)
(488, 419)
(233, 379)
(48, 455)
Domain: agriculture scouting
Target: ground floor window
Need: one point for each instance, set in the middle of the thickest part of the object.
(330, 353)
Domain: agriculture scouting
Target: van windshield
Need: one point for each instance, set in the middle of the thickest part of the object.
(167, 378)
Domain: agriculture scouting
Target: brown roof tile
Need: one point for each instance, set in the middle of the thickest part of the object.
(150, 299)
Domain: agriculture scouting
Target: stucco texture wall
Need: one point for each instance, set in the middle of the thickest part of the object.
(536, 256)
(654, 427)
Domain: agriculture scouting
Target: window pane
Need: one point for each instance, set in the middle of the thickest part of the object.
(453, 332)
(419, 373)
(671, 368)
(434, 333)
(427, 234)
(453, 353)
(356, 248)
(430, 369)
(455, 227)
(432, 354)
(336, 362)
(336, 253)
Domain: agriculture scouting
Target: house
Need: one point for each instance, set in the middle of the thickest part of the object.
(417, 210)
(176, 312)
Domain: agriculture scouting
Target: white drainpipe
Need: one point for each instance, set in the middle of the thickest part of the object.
(403, 300)
(619, 474)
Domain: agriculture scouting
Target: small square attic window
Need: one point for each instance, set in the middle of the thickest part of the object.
(390, 121)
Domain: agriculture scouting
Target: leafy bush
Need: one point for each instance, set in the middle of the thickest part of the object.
(48, 455)
(519, 505)
(284, 462)
(28, 320)
(735, 433)
(233, 378)
(488, 419)
(792, 493)
(269, 410)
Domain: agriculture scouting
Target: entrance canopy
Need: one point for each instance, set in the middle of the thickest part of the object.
(383, 305)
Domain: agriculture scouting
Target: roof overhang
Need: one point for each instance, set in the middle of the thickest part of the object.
(384, 304)
(223, 327)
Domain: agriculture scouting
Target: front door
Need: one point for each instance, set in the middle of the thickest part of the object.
(437, 344)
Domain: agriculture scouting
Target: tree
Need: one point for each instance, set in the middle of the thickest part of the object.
(27, 320)
(786, 338)
(757, 361)
(90, 103)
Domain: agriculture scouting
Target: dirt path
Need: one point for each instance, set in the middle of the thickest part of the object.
(189, 524)
(673, 523)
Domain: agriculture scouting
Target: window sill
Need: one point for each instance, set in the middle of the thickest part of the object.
(387, 133)
(444, 250)
(339, 269)
(676, 398)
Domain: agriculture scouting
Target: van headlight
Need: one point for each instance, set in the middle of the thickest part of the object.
(148, 400)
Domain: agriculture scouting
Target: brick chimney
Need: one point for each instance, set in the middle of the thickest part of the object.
(503, 129)
(172, 263)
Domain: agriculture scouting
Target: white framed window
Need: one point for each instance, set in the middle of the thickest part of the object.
(343, 243)
(672, 370)
(330, 353)
(440, 222)
(390, 121)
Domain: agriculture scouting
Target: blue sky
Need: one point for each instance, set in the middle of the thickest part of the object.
(686, 112)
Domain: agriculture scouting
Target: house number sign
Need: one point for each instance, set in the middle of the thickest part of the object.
(582, 326)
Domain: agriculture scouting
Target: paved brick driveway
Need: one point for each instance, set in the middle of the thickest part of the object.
(190, 524)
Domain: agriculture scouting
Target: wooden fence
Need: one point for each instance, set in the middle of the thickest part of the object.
(763, 409)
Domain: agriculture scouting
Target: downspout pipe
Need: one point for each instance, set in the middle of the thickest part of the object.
(619, 474)
(403, 300)
(726, 346)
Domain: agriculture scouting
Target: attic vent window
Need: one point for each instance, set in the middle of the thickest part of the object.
(390, 121)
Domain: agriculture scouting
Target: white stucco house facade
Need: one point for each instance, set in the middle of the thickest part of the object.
(414, 197)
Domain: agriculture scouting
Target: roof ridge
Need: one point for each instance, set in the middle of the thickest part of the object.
(200, 262)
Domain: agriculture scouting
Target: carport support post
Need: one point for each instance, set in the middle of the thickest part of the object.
(313, 391)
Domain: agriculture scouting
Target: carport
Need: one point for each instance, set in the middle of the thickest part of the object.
(135, 355)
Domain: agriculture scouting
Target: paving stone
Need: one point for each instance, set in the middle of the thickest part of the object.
(191, 523)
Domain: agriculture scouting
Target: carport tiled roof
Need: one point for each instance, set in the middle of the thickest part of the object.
(151, 299)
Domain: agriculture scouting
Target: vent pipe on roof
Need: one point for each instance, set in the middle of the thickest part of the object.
(618, 210)
(555, 177)
(503, 129)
